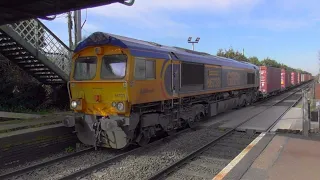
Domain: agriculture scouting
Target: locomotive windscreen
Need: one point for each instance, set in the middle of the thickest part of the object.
(192, 74)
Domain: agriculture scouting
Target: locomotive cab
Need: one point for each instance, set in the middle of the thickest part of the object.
(99, 96)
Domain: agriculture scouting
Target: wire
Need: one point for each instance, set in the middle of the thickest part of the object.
(85, 19)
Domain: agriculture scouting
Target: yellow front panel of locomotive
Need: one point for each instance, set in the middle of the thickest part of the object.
(100, 96)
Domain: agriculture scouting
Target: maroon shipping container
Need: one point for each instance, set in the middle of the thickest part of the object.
(294, 78)
(303, 77)
(298, 78)
(285, 79)
(270, 79)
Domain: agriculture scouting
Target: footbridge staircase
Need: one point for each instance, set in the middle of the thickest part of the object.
(35, 49)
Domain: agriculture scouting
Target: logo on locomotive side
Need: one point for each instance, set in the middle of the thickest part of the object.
(146, 90)
(233, 78)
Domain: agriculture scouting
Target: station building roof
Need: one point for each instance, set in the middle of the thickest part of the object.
(17, 10)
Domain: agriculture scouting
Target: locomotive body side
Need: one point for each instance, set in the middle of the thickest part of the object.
(132, 89)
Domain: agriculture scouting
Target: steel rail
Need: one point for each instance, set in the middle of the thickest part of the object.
(294, 104)
(166, 171)
(36, 166)
(104, 164)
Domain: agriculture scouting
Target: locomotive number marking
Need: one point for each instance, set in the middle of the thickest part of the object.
(120, 95)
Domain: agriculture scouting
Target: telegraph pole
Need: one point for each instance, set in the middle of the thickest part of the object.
(70, 30)
(77, 27)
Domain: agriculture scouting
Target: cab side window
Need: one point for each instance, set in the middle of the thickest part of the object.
(144, 69)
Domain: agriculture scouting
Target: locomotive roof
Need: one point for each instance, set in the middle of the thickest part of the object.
(153, 50)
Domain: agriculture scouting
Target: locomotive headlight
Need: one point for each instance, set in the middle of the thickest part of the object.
(74, 104)
(120, 106)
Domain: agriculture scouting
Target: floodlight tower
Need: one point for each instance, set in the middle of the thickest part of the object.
(192, 42)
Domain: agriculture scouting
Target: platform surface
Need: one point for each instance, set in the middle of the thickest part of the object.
(18, 115)
(258, 122)
(27, 125)
(263, 121)
(286, 157)
(292, 120)
(240, 116)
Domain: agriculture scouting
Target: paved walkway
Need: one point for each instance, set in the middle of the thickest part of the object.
(18, 115)
(287, 158)
(292, 120)
(50, 119)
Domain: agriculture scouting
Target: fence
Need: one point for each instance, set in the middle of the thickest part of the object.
(310, 108)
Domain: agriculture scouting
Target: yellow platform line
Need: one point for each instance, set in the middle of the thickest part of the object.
(237, 159)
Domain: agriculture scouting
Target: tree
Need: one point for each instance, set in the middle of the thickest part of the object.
(254, 60)
(230, 53)
(236, 55)
(270, 62)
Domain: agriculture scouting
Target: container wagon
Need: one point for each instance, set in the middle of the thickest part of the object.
(299, 78)
(294, 78)
(270, 80)
(285, 79)
(303, 77)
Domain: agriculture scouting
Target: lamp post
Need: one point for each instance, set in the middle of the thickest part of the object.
(192, 42)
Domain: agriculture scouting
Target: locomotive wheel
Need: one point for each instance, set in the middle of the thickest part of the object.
(144, 139)
(193, 122)
(171, 132)
(244, 104)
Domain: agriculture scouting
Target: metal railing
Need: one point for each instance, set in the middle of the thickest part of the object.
(310, 110)
(45, 41)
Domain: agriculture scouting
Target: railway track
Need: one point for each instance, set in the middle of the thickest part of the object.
(196, 165)
(220, 141)
(224, 138)
(101, 165)
(46, 163)
(22, 148)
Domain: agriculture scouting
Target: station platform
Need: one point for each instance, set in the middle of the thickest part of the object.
(276, 157)
(282, 153)
(25, 123)
(292, 122)
(260, 122)
(287, 158)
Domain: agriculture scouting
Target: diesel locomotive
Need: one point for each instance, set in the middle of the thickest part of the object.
(126, 91)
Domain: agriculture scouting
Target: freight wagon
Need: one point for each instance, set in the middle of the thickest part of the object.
(285, 79)
(270, 80)
(294, 78)
(305, 77)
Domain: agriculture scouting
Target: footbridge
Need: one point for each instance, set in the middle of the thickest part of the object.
(31, 45)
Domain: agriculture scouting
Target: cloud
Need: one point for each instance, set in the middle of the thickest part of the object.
(168, 18)
(281, 24)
